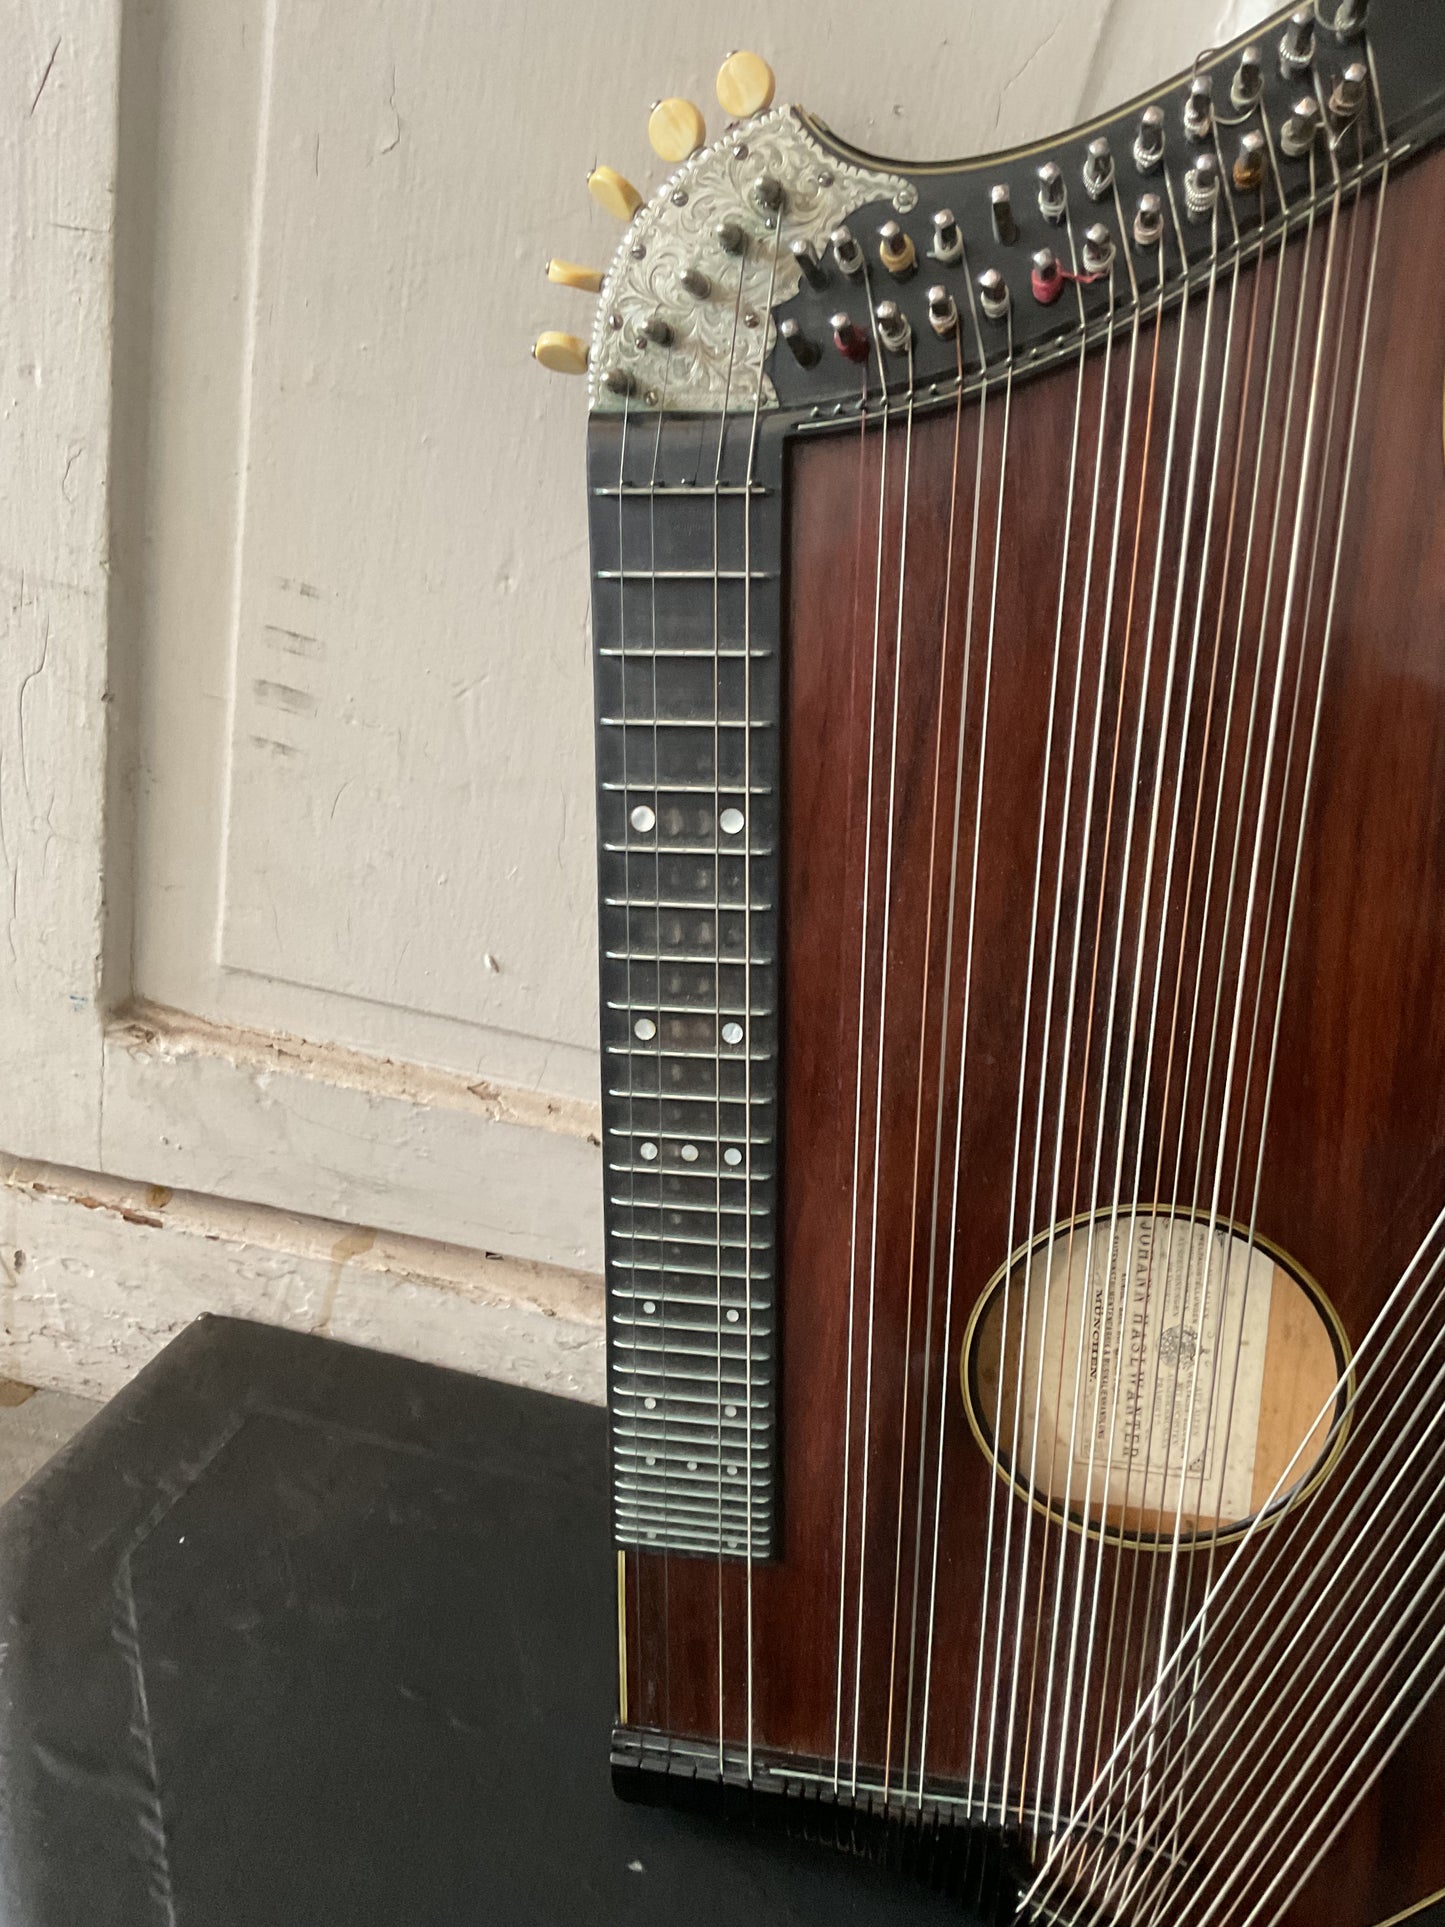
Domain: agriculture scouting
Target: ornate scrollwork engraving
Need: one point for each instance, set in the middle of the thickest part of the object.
(715, 358)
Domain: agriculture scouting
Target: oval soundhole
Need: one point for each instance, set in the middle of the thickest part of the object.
(1142, 1373)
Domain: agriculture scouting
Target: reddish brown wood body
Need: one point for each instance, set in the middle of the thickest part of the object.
(1354, 1163)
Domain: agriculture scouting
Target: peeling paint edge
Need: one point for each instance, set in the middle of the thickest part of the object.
(162, 1032)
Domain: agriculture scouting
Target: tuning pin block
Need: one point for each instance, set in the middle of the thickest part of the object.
(993, 294)
(1249, 163)
(562, 354)
(1005, 228)
(850, 341)
(942, 313)
(1297, 43)
(894, 330)
(568, 274)
(1053, 193)
(947, 238)
(1098, 249)
(676, 130)
(1149, 141)
(804, 351)
(1047, 279)
(1201, 188)
(1148, 222)
(613, 193)
(1098, 169)
(1248, 82)
(810, 267)
(1297, 136)
(1199, 108)
(1347, 96)
(896, 251)
(745, 86)
(846, 252)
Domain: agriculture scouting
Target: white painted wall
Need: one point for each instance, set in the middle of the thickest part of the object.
(296, 869)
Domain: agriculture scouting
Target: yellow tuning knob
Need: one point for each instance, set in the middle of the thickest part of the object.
(563, 354)
(744, 85)
(567, 274)
(613, 193)
(676, 129)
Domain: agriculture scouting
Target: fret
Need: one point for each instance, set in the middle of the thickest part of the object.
(706, 490)
(719, 1245)
(694, 1010)
(685, 575)
(695, 1210)
(686, 722)
(693, 1271)
(718, 790)
(701, 654)
(685, 957)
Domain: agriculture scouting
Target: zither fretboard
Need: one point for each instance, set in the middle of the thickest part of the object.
(686, 563)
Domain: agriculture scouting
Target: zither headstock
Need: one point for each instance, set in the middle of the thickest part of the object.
(777, 267)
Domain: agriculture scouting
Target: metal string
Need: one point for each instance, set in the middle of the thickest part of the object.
(943, 661)
(1054, 679)
(882, 1037)
(748, 967)
(884, 415)
(964, 1012)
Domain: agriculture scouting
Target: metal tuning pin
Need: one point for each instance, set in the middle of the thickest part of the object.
(1098, 249)
(1248, 82)
(947, 237)
(896, 251)
(1297, 136)
(654, 333)
(569, 274)
(1343, 19)
(1249, 163)
(993, 294)
(1149, 141)
(696, 283)
(846, 252)
(1347, 96)
(942, 313)
(1201, 188)
(804, 351)
(1005, 227)
(849, 340)
(1148, 222)
(768, 195)
(562, 354)
(1199, 108)
(1098, 169)
(676, 130)
(745, 85)
(613, 193)
(894, 330)
(617, 381)
(1297, 43)
(1046, 277)
(1053, 193)
(809, 266)
(731, 238)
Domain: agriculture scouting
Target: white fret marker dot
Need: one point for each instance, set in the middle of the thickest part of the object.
(652, 1458)
(643, 818)
(649, 1306)
(730, 1411)
(732, 1033)
(647, 1152)
(651, 1404)
(689, 1154)
(644, 1028)
(732, 1156)
(692, 1465)
(732, 1318)
(732, 1471)
(731, 821)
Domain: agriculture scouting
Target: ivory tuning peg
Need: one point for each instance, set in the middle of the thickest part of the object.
(676, 130)
(745, 85)
(570, 274)
(562, 354)
(613, 193)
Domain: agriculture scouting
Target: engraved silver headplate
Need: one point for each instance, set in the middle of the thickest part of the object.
(710, 364)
